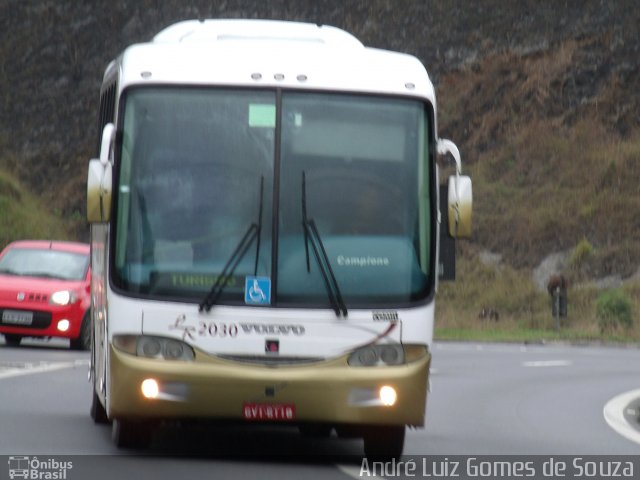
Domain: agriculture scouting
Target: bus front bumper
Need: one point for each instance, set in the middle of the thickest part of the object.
(327, 392)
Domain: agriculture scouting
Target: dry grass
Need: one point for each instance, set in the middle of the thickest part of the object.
(548, 170)
(524, 311)
(25, 216)
(550, 174)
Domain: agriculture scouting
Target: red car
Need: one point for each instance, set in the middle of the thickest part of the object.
(45, 292)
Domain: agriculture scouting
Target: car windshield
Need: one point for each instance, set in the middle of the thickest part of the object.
(200, 169)
(44, 263)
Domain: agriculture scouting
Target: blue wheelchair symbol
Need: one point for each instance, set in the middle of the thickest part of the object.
(257, 290)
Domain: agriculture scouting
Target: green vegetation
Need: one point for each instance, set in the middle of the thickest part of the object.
(581, 253)
(525, 311)
(614, 311)
(24, 215)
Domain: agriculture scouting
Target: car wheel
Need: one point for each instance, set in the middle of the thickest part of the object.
(83, 342)
(384, 443)
(130, 434)
(12, 340)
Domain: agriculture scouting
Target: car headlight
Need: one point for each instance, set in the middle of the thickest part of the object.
(63, 297)
(372, 355)
(148, 346)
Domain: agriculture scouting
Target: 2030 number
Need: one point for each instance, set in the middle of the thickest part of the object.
(218, 329)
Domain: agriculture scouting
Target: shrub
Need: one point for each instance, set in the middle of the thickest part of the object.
(613, 310)
(582, 251)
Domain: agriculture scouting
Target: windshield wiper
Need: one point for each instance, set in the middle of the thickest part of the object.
(311, 235)
(43, 275)
(238, 254)
(9, 271)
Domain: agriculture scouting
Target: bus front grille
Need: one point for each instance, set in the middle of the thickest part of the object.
(272, 361)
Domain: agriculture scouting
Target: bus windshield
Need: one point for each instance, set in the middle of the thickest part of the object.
(204, 173)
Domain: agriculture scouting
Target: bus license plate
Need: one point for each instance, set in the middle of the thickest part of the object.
(17, 318)
(281, 412)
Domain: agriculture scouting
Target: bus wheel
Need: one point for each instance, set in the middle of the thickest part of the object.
(130, 434)
(97, 412)
(315, 430)
(384, 443)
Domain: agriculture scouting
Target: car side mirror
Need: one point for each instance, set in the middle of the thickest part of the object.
(99, 179)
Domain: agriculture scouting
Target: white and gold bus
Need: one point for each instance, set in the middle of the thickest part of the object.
(264, 219)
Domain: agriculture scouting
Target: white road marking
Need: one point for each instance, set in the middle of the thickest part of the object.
(352, 471)
(547, 363)
(35, 368)
(614, 415)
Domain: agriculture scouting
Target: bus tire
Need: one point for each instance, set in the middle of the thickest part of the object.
(97, 412)
(384, 442)
(315, 430)
(130, 434)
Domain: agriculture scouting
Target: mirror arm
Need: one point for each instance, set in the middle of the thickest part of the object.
(108, 135)
(99, 179)
(445, 146)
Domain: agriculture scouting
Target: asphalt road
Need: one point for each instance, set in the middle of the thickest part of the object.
(485, 400)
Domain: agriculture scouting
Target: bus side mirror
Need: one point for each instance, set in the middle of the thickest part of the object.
(459, 206)
(460, 196)
(99, 180)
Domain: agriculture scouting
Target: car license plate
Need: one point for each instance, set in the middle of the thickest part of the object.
(281, 412)
(17, 318)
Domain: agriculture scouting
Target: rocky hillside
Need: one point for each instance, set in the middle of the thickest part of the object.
(541, 96)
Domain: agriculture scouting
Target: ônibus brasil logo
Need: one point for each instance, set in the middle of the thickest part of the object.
(33, 468)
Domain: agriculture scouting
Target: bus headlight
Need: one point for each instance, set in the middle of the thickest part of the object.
(373, 355)
(148, 346)
(174, 350)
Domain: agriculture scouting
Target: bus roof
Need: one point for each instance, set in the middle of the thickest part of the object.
(251, 30)
(269, 53)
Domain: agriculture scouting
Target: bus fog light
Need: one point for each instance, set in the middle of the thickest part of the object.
(150, 388)
(388, 396)
(63, 325)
